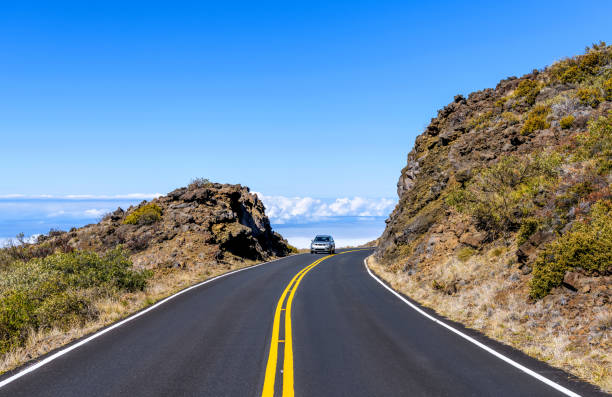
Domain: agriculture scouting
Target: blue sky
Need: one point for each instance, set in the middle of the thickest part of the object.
(291, 98)
(294, 99)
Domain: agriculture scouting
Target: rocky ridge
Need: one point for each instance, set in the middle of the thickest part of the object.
(496, 191)
(200, 224)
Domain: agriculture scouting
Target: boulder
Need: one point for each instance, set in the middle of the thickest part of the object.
(473, 239)
(459, 99)
(448, 136)
(409, 174)
(573, 280)
(463, 175)
(528, 251)
(117, 214)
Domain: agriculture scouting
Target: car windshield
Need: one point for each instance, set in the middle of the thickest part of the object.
(322, 239)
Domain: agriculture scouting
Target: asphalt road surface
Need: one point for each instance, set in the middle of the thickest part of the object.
(345, 335)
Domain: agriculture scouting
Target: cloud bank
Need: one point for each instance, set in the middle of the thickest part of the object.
(129, 196)
(351, 220)
(281, 209)
(7, 241)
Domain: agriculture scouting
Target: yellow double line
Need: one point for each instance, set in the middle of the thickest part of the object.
(268, 388)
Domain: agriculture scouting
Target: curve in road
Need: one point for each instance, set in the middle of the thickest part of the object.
(350, 337)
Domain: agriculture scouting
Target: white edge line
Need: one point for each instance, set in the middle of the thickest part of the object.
(60, 353)
(474, 341)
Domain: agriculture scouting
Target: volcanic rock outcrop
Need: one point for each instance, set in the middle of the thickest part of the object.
(201, 223)
(504, 220)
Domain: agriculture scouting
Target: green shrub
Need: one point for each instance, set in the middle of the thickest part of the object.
(589, 96)
(511, 118)
(588, 245)
(465, 253)
(499, 196)
(85, 269)
(591, 61)
(481, 121)
(567, 122)
(58, 291)
(596, 144)
(528, 227)
(64, 310)
(580, 190)
(528, 90)
(24, 251)
(572, 74)
(566, 71)
(16, 315)
(536, 120)
(501, 101)
(583, 67)
(437, 285)
(144, 215)
(197, 183)
(607, 86)
(292, 249)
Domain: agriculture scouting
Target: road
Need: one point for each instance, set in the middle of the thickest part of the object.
(345, 335)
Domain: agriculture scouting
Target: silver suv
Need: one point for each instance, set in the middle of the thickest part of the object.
(323, 243)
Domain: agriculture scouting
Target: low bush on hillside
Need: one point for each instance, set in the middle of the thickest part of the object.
(567, 122)
(528, 90)
(144, 215)
(59, 291)
(197, 183)
(607, 86)
(501, 101)
(528, 227)
(589, 96)
(465, 253)
(583, 67)
(481, 121)
(21, 250)
(536, 120)
(596, 144)
(498, 197)
(587, 246)
(511, 118)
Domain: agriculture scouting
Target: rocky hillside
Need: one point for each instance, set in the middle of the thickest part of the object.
(202, 223)
(69, 284)
(504, 215)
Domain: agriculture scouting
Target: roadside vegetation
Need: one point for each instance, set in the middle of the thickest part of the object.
(60, 291)
(499, 197)
(587, 246)
(527, 194)
(69, 284)
(504, 221)
(51, 295)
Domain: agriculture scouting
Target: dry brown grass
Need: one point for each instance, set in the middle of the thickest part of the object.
(165, 282)
(491, 298)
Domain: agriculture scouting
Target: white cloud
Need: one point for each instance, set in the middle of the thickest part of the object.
(128, 196)
(95, 212)
(281, 209)
(79, 213)
(6, 241)
(56, 213)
